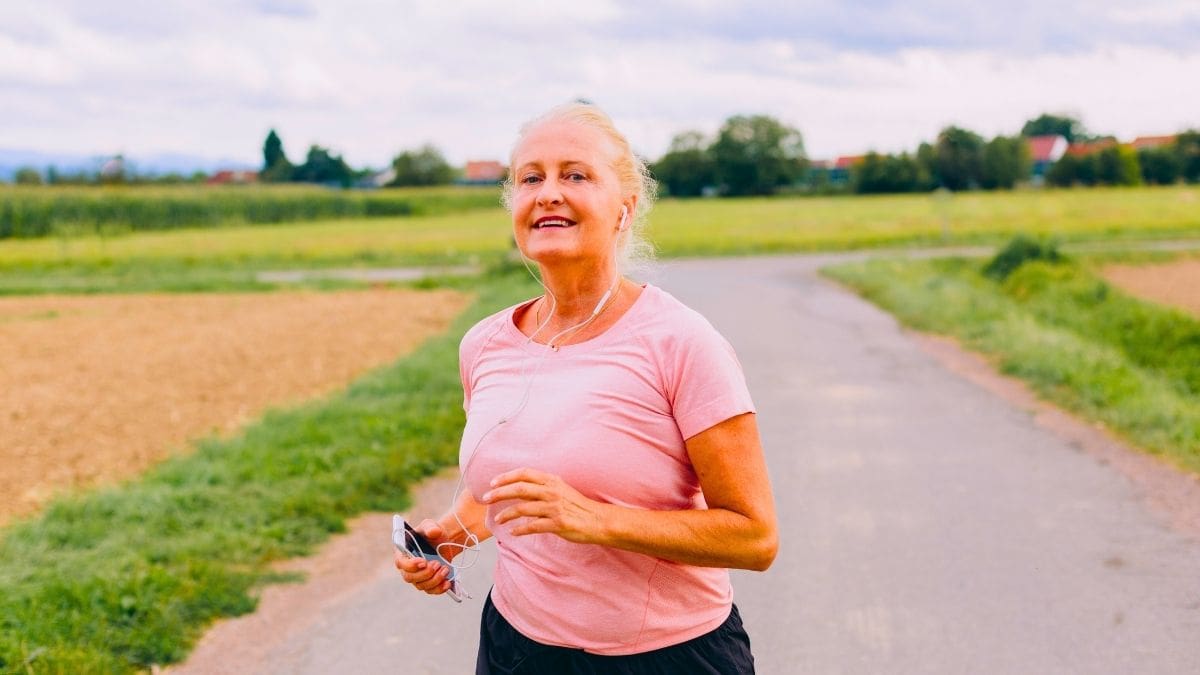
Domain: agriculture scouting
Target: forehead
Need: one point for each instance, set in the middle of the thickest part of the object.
(562, 141)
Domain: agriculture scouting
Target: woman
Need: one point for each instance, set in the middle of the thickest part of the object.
(611, 446)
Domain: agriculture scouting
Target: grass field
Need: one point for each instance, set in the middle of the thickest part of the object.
(119, 579)
(1133, 365)
(225, 258)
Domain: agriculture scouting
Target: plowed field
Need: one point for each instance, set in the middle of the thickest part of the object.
(96, 388)
(1175, 283)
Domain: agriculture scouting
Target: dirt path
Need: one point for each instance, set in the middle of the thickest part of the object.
(1176, 283)
(96, 388)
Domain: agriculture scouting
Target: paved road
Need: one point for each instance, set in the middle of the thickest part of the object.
(928, 526)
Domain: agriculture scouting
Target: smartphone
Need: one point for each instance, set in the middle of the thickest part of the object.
(415, 545)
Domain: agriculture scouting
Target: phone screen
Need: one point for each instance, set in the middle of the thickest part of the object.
(417, 544)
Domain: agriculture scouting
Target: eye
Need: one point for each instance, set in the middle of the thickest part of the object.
(530, 179)
(576, 177)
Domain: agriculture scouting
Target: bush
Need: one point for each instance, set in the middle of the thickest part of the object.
(1020, 250)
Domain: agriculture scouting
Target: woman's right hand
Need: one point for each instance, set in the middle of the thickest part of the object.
(427, 575)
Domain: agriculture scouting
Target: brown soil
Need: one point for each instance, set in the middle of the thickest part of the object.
(1175, 283)
(96, 388)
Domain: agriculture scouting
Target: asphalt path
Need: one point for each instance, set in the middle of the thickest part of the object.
(928, 525)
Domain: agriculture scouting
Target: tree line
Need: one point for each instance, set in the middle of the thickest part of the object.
(422, 166)
(760, 155)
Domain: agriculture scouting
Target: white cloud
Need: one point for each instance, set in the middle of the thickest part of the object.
(371, 78)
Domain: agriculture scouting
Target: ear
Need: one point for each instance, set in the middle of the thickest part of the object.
(627, 210)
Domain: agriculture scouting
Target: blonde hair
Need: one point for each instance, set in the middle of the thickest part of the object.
(636, 253)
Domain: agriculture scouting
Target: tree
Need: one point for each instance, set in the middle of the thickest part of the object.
(958, 158)
(1160, 166)
(276, 166)
(756, 155)
(688, 167)
(1072, 170)
(423, 166)
(323, 167)
(1005, 161)
(27, 175)
(888, 173)
(1117, 165)
(1061, 125)
(1187, 148)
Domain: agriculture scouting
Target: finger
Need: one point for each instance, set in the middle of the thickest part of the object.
(521, 490)
(430, 529)
(523, 474)
(408, 564)
(525, 510)
(436, 582)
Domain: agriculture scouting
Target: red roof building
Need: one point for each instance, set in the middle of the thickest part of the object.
(1048, 148)
(1152, 141)
(232, 177)
(484, 172)
(1083, 149)
(848, 161)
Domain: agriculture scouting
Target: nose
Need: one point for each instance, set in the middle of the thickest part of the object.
(548, 194)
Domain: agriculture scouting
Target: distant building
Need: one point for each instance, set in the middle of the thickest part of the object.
(378, 179)
(485, 171)
(840, 171)
(1044, 151)
(1089, 147)
(232, 177)
(1146, 142)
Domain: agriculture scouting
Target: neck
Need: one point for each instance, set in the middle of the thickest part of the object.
(575, 292)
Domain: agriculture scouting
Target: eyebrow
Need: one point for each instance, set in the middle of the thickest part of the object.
(567, 164)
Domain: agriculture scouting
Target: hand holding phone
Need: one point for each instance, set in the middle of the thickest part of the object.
(413, 544)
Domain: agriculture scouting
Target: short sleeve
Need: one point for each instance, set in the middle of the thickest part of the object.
(706, 383)
(469, 349)
(465, 357)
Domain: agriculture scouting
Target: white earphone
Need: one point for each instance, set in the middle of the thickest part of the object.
(624, 219)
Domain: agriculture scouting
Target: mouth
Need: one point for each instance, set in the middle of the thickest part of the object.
(552, 221)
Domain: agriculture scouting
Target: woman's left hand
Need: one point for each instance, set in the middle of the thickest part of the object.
(548, 503)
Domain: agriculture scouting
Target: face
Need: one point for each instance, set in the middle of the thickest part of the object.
(567, 198)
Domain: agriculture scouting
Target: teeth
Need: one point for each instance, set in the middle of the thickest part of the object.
(553, 223)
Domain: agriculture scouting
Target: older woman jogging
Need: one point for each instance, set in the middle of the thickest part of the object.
(611, 445)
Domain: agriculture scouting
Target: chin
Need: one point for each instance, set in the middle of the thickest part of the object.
(552, 255)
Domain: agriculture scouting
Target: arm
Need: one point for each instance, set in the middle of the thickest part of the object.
(430, 576)
(738, 528)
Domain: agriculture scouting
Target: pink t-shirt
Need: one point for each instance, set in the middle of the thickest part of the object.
(609, 416)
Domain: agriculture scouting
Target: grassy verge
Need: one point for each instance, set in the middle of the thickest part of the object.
(1075, 339)
(117, 579)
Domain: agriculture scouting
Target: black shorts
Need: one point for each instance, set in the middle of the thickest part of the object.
(504, 651)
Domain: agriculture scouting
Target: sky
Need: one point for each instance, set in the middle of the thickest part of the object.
(369, 78)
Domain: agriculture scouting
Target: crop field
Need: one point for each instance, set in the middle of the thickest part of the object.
(94, 389)
(41, 211)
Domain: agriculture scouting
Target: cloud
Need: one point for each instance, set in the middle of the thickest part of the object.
(373, 77)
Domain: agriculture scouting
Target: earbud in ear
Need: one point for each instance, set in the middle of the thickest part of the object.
(624, 219)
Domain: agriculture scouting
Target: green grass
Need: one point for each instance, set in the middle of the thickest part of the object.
(42, 211)
(1075, 339)
(226, 258)
(765, 225)
(117, 579)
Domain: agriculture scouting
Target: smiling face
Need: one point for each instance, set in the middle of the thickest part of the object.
(567, 200)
